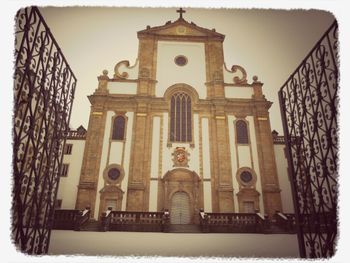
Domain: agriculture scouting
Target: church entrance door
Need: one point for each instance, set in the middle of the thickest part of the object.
(180, 208)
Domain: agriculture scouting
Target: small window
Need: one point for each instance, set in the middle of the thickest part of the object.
(246, 177)
(242, 132)
(65, 168)
(113, 174)
(68, 148)
(181, 60)
(118, 128)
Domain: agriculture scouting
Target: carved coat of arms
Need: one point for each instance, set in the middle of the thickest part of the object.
(180, 157)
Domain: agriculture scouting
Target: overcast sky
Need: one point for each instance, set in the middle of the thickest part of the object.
(267, 43)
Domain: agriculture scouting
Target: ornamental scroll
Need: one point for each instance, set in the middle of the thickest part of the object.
(238, 79)
(126, 65)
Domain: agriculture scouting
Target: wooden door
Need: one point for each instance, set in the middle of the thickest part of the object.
(180, 212)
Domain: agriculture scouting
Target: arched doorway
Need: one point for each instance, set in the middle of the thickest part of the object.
(182, 192)
(180, 211)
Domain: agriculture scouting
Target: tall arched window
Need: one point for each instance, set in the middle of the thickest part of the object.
(242, 132)
(118, 128)
(180, 118)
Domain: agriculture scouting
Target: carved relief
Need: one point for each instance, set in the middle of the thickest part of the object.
(217, 76)
(144, 73)
(180, 157)
(181, 30)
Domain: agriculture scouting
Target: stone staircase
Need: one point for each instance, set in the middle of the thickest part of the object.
(274, 229)
(190, 228)
(91, 225)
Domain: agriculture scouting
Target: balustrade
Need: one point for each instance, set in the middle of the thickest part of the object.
(160, 221)
(70, 219)
(285, 221)
(232, 222)
(64, 219)
(134, 221)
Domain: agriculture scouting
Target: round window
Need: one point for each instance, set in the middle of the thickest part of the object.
(181, 60)
(113, 174)
(246, 176)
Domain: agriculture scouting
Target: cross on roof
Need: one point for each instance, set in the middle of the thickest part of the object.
(180, 11)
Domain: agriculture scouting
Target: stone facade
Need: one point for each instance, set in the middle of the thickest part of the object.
(228, 194)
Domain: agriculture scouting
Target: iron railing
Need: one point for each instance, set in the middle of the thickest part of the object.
(309, 102)
(44, 88)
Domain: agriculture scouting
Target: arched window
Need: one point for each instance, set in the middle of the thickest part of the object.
(118, 128)
(180, 118)
(242, 132)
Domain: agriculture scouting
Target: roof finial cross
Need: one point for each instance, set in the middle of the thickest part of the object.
(180, 11)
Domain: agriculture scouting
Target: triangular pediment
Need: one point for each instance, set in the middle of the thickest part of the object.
(181, 29)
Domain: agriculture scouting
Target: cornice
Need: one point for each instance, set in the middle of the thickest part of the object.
(160, 104)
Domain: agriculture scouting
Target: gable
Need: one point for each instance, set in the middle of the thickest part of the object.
(181, 29)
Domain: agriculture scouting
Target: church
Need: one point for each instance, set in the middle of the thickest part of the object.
(177, 130)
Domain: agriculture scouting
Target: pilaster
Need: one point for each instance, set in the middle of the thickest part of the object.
(220, 161)
(139, 172)
(214, 59)
(257, 87)
(87, 188)
(267, 162)
(147, 66)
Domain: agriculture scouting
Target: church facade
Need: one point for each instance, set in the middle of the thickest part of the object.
(178, 130)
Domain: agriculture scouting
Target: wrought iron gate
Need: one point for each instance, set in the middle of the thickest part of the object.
(44, 88)
(309, 103)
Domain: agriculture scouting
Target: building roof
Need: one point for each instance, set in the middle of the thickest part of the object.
(78, 134)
